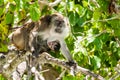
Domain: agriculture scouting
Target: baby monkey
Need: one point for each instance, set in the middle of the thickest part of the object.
(41, 46)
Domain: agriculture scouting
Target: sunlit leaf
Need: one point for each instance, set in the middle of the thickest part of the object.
(96, 15)
(95, 61)
(71, 6)
(98, 44)
(3, 48)
(79, 9)
(9, 18)
(74, 17)
(1, 11)
(85, 3)
(35, 13)
(21, 14)
(103, 5)
(1, 77)
(116, 26)
(1, 2)
(12, 7)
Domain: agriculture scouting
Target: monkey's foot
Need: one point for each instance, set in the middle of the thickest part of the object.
(35, 54)
(71, 63)
(73, 66)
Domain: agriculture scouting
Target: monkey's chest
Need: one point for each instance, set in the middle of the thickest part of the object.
(51, 36)
(40, 44)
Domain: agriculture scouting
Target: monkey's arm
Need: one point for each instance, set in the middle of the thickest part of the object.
(65, 51)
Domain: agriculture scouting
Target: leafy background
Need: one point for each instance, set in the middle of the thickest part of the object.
(95, 32)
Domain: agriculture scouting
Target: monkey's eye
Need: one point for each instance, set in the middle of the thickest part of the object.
(58, 23)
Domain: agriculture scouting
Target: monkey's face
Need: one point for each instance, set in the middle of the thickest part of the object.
(54, 45)
(59, 24)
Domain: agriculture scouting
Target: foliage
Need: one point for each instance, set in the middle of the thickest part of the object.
(95, 39)
(1, 77)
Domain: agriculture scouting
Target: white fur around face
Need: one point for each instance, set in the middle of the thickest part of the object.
(51, 35)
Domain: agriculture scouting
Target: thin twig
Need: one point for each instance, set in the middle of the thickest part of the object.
(61, 75)
(55, 3)
(117, 39)
(94, 35)
(52, 4)
(115, 76)
(104, 20)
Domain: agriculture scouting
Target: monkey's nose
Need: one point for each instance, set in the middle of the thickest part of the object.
(58, 30)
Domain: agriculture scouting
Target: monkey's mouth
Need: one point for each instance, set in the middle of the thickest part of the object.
(58, 30)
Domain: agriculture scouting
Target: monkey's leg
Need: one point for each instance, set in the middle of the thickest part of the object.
(29, 66)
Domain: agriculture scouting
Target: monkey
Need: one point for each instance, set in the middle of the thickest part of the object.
(56, 27)
(50, 31)
(20, 39)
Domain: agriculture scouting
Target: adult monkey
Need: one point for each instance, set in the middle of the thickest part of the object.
(49, 28)
(25, 40)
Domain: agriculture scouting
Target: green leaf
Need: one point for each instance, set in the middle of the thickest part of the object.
(9, 18)
(73, 18)
(104, 5)
(95, 61)
(79, 9)
(17, 4)
(1, 2)
(96, 15)
(85, 3)
(3, 48)
(105, 37)
(98, 44)
(1, 7)
(12, 7)
(72, 77)
(116, 26)
(1, 10)
(71, 6)
(2, 78)
(34, 13)
(22, 14)
(118, 53)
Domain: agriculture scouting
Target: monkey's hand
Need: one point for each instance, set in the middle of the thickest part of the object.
(73, 66)
(54, 45)
(71, 63)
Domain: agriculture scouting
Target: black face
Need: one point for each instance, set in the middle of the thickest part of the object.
(59, 24)
(54, 45)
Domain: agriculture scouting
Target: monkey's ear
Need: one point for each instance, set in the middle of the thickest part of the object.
(45, 22)
(30, 26)
(46, 19)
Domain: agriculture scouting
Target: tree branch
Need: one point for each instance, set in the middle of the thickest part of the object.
(78, 69)
(104, 20)
(52, 4)
(47, 58)
(93, 36)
